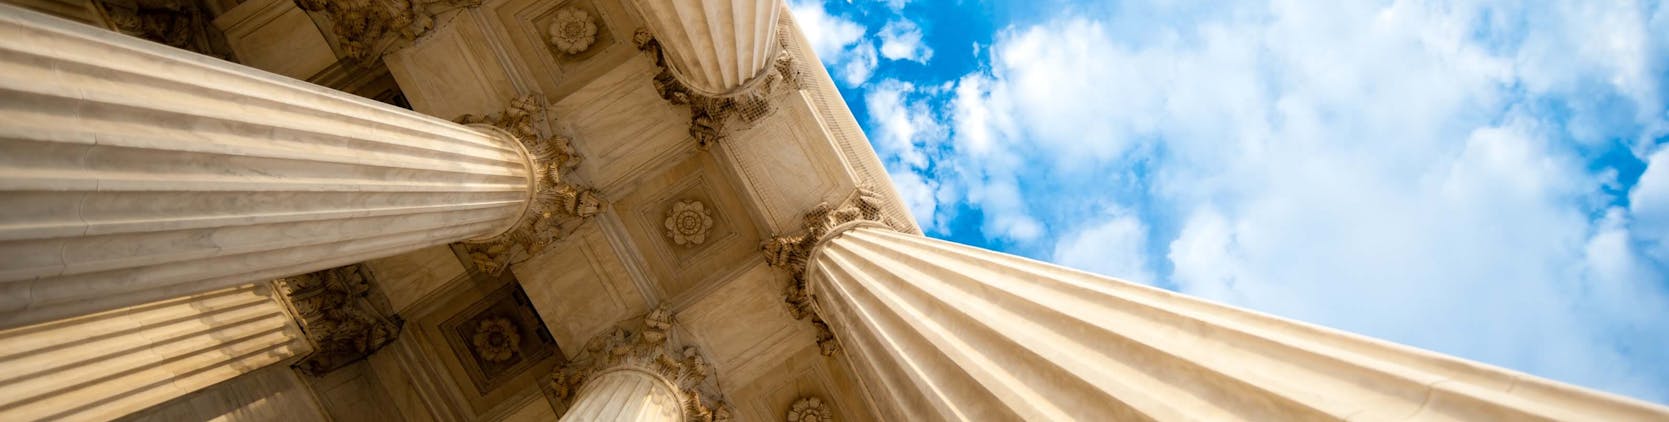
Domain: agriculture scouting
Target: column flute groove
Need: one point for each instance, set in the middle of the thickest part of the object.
(941, 331)
(135, 172)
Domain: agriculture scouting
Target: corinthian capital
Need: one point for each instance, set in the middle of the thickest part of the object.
(649, 347)
(791, 252)
(555, 207)
(714, 116)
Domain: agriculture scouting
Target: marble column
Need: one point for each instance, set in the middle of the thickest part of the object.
(715, 47)
(134, 172)
(109, 364)
(627, 395)
(942, 331)
(641, 373)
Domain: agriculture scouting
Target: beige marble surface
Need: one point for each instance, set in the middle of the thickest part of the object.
(942, 331)
(626, 395)
(271, 393)
(715, 47)
(139, 172)
(112, 363)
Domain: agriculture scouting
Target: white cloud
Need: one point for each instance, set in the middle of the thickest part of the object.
(1387, 169)
(1116, 246)
(829, 35)
(858, 64)
(1649, 203)
(901, 40)
(838, 42)
(895, 5)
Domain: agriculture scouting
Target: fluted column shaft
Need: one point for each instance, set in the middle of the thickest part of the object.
(626, 395)
(133, 172)
(105, 365)
(941, 331)
(715, 47)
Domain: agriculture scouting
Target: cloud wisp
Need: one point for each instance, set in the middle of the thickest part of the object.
(1487, 180)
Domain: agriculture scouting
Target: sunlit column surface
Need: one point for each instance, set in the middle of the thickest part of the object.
(715, 47)
(133, 172)
(941, 331)
(109, 364)
(626, 395)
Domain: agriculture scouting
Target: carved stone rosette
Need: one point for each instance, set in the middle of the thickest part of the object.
(791, 252)
(343, 314)
(367, 29)
(810, 409)
(711, 117)
(652, 349)
(557, 206)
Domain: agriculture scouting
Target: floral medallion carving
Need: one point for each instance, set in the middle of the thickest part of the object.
(688, 222)
(496, 339)
(499, 337)
(573, 31)
(810, 409)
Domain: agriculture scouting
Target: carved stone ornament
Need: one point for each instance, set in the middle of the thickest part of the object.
(496, 340)
(367, 29)
(557, 206)
(343, 314)
(176, 23)
(712, 117)
(810, 409)
(791, 252)
(688, 222)
(572, 31)
(651, 348)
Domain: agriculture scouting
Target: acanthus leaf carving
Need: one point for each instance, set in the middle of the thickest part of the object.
(557, 206)
(791, 253)
(367, 29)
(652, 348)
(712, 117)
(343, 314)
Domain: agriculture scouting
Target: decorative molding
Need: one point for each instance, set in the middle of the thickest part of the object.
(367, 29)
(810, 409)
(573, 31)
(650, 348)
(712, 117)
(178, 24)
(688, 222)
(790, 253)
(557, 206)
(343, 313)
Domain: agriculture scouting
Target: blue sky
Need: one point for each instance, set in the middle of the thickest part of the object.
(1488, 179)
